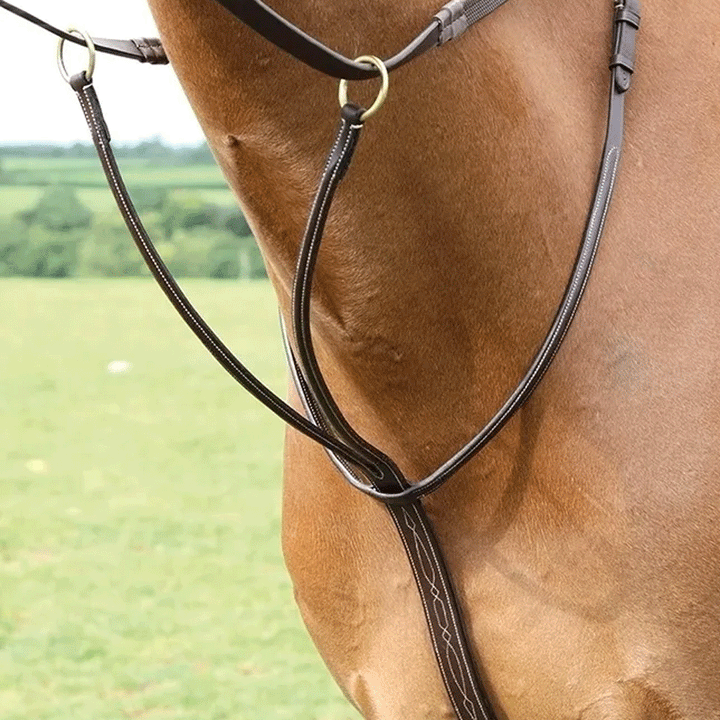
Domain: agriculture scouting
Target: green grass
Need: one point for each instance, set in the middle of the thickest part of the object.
(140, 565)
(217, 197)
(15, 199)
(41, 164)
(29, 171)
(32, 175)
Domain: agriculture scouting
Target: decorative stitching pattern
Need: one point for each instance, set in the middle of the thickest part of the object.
(421, 547)
(449, 593)
(426, 608)
(444, 612)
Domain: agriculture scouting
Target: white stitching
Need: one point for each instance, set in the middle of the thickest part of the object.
(613, 150)
(448, 609)
(322, 202)
(410, 556)
(318, 211)
(89, 112)
(93, 121)
(454, 619)
(541, 359)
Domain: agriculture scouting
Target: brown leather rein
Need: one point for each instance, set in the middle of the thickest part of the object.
(363, 465)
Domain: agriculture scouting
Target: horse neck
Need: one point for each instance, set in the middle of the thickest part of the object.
(456, 226)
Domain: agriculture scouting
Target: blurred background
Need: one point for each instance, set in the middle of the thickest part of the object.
(140, 489)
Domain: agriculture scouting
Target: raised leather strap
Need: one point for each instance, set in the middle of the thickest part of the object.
(450, 22)
(283, 34)
(458, 15)
(442, 612)
(363, 465)
(443, 616)
(372, 461)
(144, 50)
(385, 475)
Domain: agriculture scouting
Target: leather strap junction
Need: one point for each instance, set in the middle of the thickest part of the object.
(442, 613)
(379, 472)
(627, 20)
(363, 465)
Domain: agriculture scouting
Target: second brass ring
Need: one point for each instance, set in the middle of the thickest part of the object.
(382, 95)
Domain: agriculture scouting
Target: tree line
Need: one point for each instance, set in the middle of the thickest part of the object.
(153, 149)
(61, 237)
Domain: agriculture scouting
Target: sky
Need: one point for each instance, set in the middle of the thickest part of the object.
(140, 101)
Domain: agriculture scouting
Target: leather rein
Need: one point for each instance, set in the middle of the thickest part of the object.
(364, 466)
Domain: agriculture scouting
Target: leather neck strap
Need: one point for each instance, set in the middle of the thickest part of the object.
(379, 472)
(361, 464)
(450, 22)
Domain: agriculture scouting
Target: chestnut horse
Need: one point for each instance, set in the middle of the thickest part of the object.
(585, 540)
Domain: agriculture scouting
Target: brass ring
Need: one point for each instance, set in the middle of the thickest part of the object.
(382, 95)
(91, 54)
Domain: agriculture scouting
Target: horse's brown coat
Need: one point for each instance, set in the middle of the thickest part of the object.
(585, 541)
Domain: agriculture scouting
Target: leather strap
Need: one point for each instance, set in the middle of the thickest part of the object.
(144, 50)
(445, 26)
(626, 24)
(283, 34)
(383, 474)
(95, 119)
(348, 445)
(443, 616)
(441, 609)
(450, 22)
(361, 464)
(439, 601)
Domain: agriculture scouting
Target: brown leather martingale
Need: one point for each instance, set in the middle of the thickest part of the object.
(444, 620)
(352, 455)
(364, 466)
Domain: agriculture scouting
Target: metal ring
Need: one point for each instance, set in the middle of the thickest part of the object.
(91, 54)
(382, 95)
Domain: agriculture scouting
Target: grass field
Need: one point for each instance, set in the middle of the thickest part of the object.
(14, 199)
(140, 565)
(32, 175)
(75, 171)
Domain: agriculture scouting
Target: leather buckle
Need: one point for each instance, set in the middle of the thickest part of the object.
(622, 62)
